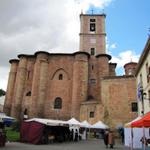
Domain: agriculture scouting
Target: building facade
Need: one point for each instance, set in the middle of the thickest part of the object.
(143, 80)
(83, 85)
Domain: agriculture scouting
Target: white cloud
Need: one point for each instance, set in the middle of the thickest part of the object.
(113, 46)
(110, 46)
(84, 4)
(28, 26)
(121, 58)
(4, 72)
(125, 57)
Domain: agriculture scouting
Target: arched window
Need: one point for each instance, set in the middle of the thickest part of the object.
(60, 76)
(58, 103)
(28, 93)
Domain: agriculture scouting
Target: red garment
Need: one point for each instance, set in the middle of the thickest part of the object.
(111, 138)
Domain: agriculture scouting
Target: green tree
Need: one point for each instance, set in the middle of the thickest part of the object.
(2, 92)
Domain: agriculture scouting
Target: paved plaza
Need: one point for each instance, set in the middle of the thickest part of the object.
(92, 144)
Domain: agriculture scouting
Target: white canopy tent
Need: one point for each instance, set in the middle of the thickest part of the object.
(99, 125)
(86, 131)
(86, 124)
(6, 119)
(74, 122)
(4, 116)
(49, 122)
(74, 126)
(137, 134)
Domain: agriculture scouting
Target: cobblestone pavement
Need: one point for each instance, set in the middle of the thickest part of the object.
(93, 144)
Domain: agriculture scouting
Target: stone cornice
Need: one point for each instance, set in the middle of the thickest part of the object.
(134, 63)
(118, 77)
(103, 55)
(13, 60)
(98, 34)
(104, 15)
(25, 55)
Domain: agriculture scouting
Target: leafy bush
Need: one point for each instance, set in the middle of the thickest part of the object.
(2, 92)
(12, 135)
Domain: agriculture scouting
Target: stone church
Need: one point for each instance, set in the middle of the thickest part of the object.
(83, 84)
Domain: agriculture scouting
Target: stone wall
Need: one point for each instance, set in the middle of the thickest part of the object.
(59, 64)
(11, 86)
(37, 85)
(117, 95)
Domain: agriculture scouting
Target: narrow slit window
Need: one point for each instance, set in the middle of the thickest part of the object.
(28, 75)
(92, 51)
(134, 107)
(92, 67)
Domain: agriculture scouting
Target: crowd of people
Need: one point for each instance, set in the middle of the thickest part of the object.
(145, 142)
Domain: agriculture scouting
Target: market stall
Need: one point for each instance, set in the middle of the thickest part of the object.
(136, 129)
(85, 128)
(143, 122)
(99, 125)
(129, 132)
(98, 129)
(6, 119)
(42, 131)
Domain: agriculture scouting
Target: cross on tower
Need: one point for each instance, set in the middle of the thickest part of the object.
(92, 11)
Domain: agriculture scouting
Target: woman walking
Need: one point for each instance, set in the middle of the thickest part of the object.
(111, 139)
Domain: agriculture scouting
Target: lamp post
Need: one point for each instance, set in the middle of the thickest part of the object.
(143, 98)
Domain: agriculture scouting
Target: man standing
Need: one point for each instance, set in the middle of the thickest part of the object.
(106, 138)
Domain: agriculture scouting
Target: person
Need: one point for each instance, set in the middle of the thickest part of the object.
(148, 144)
(25, 114)
(71, 135)
(2, 135)
(106, 138)
(143, 140)
(122, 134)
(111, 140)
(76, 135)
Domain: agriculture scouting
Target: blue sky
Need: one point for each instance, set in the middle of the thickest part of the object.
(54, 26)
(127, 24)
(131, 21)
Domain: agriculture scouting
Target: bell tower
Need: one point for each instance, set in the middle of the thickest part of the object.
(92, 33)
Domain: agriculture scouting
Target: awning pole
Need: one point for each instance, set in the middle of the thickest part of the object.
(131, 138)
